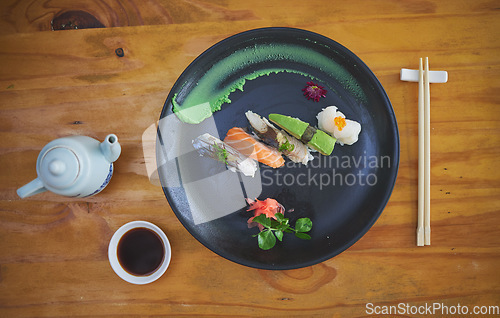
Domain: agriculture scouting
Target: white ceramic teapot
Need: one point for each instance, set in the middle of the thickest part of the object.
(74, 166)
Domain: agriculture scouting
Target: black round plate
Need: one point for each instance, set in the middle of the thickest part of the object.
(343, 194)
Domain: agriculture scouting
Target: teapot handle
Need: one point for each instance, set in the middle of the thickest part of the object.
(32, 188)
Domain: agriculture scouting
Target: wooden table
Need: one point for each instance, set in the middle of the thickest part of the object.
(53, 250)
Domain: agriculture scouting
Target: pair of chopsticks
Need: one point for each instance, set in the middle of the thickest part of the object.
(424, 156)
(424, 77)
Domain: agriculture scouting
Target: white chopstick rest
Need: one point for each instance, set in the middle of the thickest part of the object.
(424, 77)
(408, 75)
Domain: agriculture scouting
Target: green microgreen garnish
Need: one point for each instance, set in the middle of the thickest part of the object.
(286, 146)
(220, 153)
(274, 229)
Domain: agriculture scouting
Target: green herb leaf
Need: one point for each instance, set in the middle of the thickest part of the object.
(262, 219)
(282, 220)
(283, 228)
(220, 153)
(279, 216)
(303, 236)
(275, 229)
(303, 225)
(279, 235)
(286, 146)
(266, 239)
(275, 225)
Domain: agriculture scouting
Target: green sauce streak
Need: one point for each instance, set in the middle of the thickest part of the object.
(207, 96)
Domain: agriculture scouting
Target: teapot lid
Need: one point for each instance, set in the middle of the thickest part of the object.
(59, 167)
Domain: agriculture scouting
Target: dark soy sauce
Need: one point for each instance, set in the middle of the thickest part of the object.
(140, 251)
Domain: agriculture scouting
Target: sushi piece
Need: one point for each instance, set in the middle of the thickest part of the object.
(314, 138)
(240, 140)
(332, 121)
(263, 129)
(210, 146)
(269, 134)
(349, 134)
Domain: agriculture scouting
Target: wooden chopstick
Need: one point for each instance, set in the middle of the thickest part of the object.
(421, 161)
(427, 155)
(424, 151)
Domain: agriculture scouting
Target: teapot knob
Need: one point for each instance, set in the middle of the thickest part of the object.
(57, 167)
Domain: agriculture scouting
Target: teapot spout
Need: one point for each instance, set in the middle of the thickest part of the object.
(110, 148)
(32, 188)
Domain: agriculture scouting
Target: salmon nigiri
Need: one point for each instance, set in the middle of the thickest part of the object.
(247, 145)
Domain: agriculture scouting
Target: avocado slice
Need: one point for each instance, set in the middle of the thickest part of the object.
(294, 126)
(315, 138)
(322, 142)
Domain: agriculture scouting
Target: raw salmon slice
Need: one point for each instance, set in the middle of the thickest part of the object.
(247, 145)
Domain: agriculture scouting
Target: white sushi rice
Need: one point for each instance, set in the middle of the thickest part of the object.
(326, 122)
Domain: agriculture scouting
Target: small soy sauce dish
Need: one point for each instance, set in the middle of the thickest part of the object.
(139, 252)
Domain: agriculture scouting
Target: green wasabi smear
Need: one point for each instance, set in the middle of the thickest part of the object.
(207, 97)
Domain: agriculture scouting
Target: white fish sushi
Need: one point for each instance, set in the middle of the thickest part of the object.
(210, 146)
(332, 121)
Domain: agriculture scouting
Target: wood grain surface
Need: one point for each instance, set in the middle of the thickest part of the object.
(53, 250)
